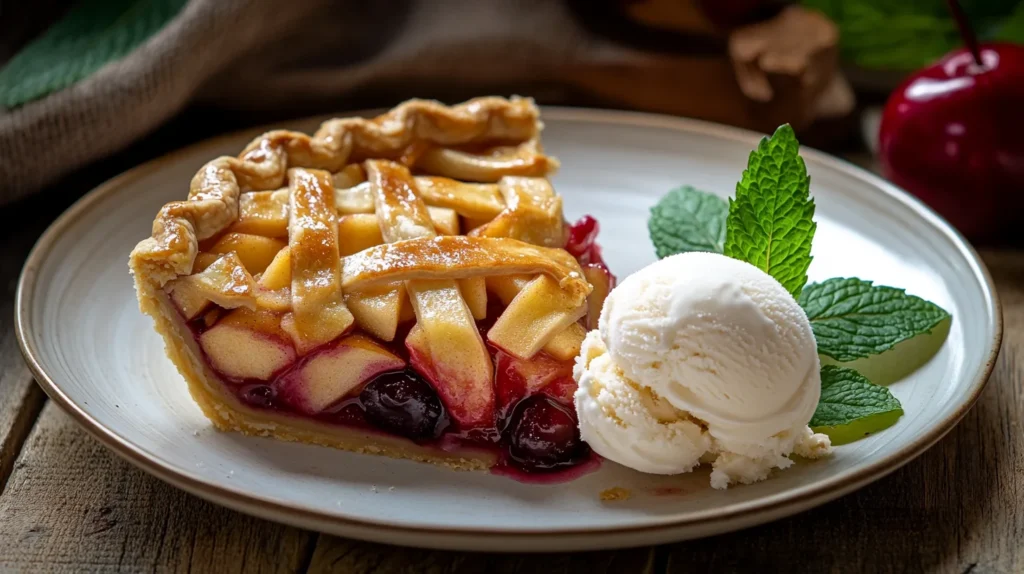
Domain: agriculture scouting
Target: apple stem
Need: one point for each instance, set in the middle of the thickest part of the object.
(966, 31)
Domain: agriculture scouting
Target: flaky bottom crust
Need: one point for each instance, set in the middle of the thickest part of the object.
(227, 413)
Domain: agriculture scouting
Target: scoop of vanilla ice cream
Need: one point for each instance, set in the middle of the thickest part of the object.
(726, 346)
(628, 423)
(720, 339)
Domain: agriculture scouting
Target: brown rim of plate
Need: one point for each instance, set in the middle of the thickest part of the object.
(712, 520)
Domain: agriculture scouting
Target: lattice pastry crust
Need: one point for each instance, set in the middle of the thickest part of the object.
(332, 232)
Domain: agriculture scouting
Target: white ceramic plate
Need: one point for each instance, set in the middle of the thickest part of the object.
(99, 358)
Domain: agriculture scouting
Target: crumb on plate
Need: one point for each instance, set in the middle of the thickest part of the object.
(615, 493)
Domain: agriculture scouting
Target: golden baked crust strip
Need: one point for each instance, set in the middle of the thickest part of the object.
(526, 159)
(214, 192)
(472, 200)
(440, 257)
(318, 311)
(532, 213)
(460, 257)
(266, 212)
(444, 322)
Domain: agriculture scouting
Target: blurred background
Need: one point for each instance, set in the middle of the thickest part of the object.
(89, 88)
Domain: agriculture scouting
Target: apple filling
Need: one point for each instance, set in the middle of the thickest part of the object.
(382, 373)
(409, 276)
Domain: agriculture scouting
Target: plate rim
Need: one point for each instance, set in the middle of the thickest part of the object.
(710, 521)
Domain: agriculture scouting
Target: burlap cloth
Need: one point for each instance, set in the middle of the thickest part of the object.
(271, 55)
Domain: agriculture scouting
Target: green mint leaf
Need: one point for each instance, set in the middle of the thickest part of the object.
(771, 220)
(852, 407)
(853, 319)
(688, 219)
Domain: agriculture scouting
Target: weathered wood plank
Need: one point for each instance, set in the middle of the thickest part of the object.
(341, 556)
(73, 506)
(958, 508)
(20, 398)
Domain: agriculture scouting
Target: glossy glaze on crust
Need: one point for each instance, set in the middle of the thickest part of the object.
(271, 282)
(461, 257)
(214, 192)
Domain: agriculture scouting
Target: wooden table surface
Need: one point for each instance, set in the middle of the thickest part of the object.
(68, 504)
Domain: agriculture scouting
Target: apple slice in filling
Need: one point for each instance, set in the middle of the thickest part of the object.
(278, 275)
(248, 345)
(224, 282)
(474, 291)
(601, 280)
(536, 315)
(564, 345)
(379, 311)
(446, 221)
(458, 371)
(263, 213)
(254, 251)
(336, 372)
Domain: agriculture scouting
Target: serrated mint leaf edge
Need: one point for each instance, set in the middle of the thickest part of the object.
(743, 224)
(705, 224)
(836, 384)
(847, 351)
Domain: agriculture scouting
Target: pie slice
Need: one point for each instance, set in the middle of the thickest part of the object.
(404, 285)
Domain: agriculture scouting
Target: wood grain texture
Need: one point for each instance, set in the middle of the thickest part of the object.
(20, 398)
(72, 506)
(341, 556)
(957, 508)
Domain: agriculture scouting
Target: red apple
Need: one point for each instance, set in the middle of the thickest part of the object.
(953, 134)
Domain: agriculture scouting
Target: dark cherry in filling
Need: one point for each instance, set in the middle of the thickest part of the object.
(259, 395)
(404, 403)
(543, 435)
(537, 432)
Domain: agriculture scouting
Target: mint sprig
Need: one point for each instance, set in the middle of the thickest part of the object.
(853, 319)
(771, 220)
(852, 407)
(770, 225)
(688, 219)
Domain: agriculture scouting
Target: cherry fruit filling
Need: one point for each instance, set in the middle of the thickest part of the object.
(543, 435)
(582, 237)
(403, 403)
(259, 395)
(582, 243)
(533, 424)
